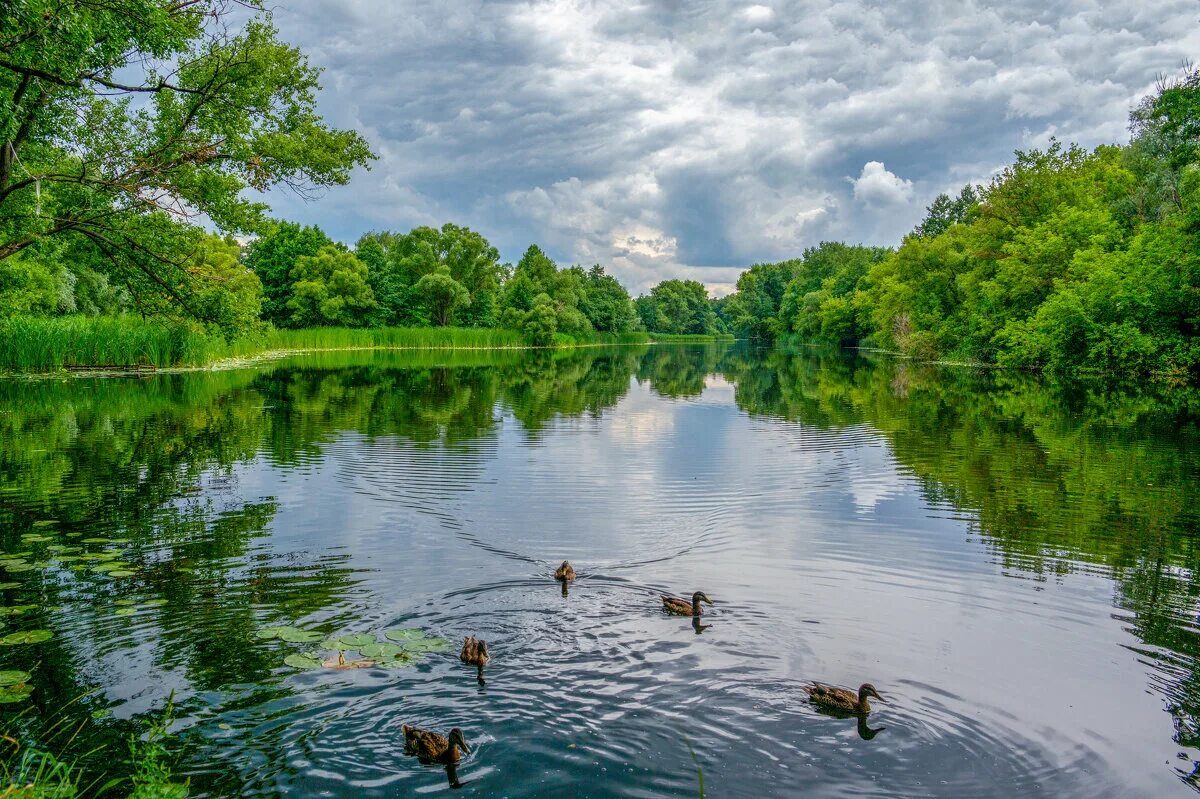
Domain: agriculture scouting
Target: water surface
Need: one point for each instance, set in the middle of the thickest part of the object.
(1011, 563)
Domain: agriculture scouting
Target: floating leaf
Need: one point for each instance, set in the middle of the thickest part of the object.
(6, 586)
(15, 693)
(407, 634)
(154, 603)
(356, 640)
(294, 635)
(335, 643)
(13, 677)
(36, 538)
(403, 660)
(20, 566)
(224, 726)
(108, 567)
(26, 637)
(121, 573)
(102, 713)
(302, 662)
(381, 651)
(97, 540)
(45, 523)
(126, 602)
(16, 610)
(269, 633)
(124, 611)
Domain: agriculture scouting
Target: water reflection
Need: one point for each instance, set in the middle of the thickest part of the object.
(376, 490)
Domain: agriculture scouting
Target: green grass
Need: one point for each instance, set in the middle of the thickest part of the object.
(44, 344)
(686, 337)
(30, 344)
(416, 338)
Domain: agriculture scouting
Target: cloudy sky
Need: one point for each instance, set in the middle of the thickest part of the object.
(691, 138)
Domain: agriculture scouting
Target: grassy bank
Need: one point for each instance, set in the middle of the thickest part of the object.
(129, 342)
(672, 338)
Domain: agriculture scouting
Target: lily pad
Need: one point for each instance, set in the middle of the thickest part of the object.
(357, 640)
(16, 610)
(15, 693)
(13, 677)
(401, 661)
(154, 603)
(21, 566)
(294, 635)
(126, 602)
(36, 538)
(101, 713)
(335, 643)
(6, 586)
(120, 573)
(302, 662)
(381, 651)
(124, 611)
(45, 523)
(26, 637)
(95, 539)
(269, 633)
(107, 567)
(407, 634)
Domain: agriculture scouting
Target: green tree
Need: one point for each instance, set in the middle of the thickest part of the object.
(678, 306)
(330, 289)
(541, 323)
(606, 303)
(945, 211)
(117, 113)
(273, 256)
(441, 296)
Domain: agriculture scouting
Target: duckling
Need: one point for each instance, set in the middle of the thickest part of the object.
(681, 607)
(843, 699)
(565, 572)
(429, 747)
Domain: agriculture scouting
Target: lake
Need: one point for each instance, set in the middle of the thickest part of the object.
(1012, 563)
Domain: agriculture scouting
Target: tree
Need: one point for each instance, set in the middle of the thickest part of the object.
(541, 323)
(606, 303)
(231, 293)
(273, 256)
(678, 306)
(116, 112)
(330, 289)
(441, 296)
(945, 211)
(398, 261)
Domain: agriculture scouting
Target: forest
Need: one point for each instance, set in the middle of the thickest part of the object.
(135, 200)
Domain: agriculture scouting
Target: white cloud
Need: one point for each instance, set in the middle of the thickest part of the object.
(877, 187)
(670, 143)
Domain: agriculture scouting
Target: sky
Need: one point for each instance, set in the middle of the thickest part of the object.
(693, 138)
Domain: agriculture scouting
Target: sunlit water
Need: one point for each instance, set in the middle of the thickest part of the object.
(1010, 563)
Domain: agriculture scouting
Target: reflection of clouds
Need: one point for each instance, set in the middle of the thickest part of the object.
(873, 478)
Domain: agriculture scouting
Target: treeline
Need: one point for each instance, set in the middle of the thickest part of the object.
(1069, 261)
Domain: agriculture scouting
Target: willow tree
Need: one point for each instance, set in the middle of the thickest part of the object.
(120, 119)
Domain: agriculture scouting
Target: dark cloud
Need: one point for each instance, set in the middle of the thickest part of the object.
(688, 139)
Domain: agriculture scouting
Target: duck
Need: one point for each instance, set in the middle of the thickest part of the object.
(843, 699)
(565, 572)
(474, 651)
(433, 748)
(681, 607)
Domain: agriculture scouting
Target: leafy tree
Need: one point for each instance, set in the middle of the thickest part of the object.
(27, 286)
(606, 303)
(398, 261)
(330, 289)
(117, 114)
(678, 306)
(231, 294)
(441, 296)
(541, 322)
(273, 256)
(754, 309)
(945, 211)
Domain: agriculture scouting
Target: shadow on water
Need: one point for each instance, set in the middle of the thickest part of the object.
(153, 526)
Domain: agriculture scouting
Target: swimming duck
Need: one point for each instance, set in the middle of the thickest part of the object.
(842, 698)
(565, 572)
(682, 607)
(431, 747)
(474, 651)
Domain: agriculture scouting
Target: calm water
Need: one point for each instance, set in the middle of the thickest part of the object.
(1012, 564)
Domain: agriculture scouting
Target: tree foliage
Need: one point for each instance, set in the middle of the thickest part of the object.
(330, 288)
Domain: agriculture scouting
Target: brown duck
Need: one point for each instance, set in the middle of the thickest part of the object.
(565, 572)
(474, 651)
(429, 747)
(843, 699)
(681, 607)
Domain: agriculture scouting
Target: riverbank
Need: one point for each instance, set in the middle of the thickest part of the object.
(129, 343)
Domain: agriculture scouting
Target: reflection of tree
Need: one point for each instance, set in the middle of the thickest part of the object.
(680, 371)
(1059, 478)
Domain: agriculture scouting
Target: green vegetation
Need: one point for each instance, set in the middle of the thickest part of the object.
(1069, 261)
